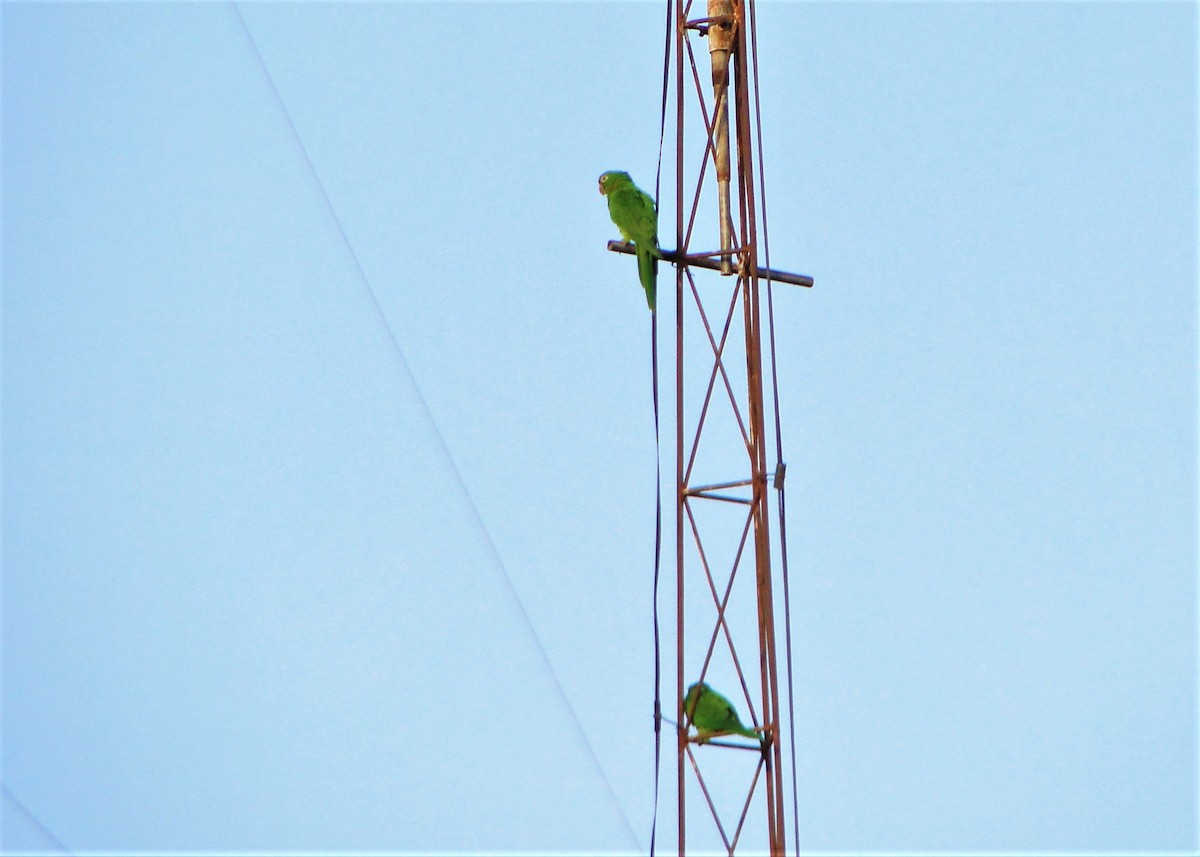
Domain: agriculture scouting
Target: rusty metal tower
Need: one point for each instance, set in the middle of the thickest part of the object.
(725, 604)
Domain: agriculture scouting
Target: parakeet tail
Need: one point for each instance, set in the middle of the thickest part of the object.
(648, 274)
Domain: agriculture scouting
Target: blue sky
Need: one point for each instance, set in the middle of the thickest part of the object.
(327, 445)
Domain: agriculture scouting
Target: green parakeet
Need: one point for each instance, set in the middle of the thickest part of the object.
(632, 210)
(713, 714)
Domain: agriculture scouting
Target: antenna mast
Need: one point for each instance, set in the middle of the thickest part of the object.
(723, 532)
(724, 601)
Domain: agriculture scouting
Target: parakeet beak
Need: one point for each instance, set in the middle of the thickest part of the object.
(601, 187)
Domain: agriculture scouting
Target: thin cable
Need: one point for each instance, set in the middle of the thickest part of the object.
(662, 124)
(787, 605)
(462, 485)
(658, 718)
(33, 820)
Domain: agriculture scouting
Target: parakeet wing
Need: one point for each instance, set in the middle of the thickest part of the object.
(711, 712)
(633, 212)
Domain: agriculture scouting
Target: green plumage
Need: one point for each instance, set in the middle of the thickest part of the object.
(713, 714)
(633, 211)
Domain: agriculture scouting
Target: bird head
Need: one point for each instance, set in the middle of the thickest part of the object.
(613, 179)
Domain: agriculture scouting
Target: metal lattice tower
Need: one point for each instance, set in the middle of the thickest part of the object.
(725, 606)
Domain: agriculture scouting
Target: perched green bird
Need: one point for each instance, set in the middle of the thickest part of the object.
(633, 211)
(713, 714)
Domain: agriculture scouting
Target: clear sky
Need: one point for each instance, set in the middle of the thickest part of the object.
(328, 459)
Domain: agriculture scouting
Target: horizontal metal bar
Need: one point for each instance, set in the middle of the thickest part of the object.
(695, 739)
(704, 495)
(714, 265)
(739, 484)
(702, 25)
(695, 22)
